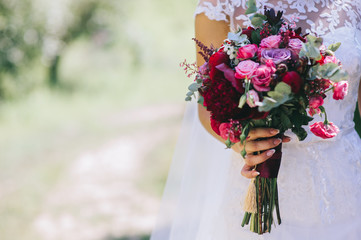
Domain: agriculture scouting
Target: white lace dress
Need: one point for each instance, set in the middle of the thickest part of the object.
(319, 180)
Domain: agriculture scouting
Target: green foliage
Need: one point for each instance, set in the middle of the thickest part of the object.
(310, 49)
(330, 71)
(251, 7)
(334, 47)
(258, 19)
(280, 95)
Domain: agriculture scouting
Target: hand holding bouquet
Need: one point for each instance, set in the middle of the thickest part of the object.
(268, 75)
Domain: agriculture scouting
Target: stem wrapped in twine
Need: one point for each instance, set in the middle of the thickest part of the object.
(262, 196)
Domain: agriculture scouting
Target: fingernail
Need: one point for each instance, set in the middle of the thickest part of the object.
(270, 152)
(274, 131)
(256, 173)
(277, 141)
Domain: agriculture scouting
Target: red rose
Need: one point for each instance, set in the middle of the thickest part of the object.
(227, 131)
(324, 130)
(294, 80)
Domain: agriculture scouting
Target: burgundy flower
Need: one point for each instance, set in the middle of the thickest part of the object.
(294, 80)
(248, 32)
(324, 130)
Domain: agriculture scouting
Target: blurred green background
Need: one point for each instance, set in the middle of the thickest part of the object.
(91, 99)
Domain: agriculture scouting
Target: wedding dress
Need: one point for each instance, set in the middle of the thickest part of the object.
(319, 180)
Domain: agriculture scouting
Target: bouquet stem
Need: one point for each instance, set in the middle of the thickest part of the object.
(261, 218)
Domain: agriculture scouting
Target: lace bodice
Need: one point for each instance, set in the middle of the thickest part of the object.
(321, 16)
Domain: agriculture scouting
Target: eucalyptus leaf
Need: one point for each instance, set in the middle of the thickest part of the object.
(251, 7)
(200, 100)
(257, 21)
(188, 98)
(280, 95)
(334, 47)
(194, 87)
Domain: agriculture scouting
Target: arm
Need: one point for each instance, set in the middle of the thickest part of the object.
(214, 32)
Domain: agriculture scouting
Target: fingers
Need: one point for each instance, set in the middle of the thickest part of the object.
(248, 172)
(253, 160)
(286, 139)
(256, 146)
(262, 133)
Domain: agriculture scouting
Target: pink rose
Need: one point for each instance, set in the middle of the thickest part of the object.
(330, 59)
(313, 111)
(247, 51)
(340, 90)
(252, 98)
(324, 130)
(295, 44)
(226, 132)
(316, 102)
(269, 63)
(245, 69)
(262, 78)
(271, 42)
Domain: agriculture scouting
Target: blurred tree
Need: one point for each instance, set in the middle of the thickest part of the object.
(19, 37)
(66, 21)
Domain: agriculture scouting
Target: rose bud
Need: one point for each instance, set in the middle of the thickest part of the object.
(316, 101)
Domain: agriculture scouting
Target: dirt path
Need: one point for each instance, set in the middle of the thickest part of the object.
(98, 197)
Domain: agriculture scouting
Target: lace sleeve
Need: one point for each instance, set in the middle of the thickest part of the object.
(220, 10)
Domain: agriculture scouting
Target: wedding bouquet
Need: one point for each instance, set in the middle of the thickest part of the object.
(268, 75)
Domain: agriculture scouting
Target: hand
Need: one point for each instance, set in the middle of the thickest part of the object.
(253, 146)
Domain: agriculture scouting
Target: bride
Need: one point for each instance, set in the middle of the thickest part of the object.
(319, 180)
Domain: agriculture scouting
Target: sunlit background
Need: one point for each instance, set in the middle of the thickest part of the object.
(91, 99)
(91, 102)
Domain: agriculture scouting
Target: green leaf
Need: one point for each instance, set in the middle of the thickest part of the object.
(251, 7)
(283, 87)
(257, 21)
(311, 49)
(286, 122)
(242, 101)
(200, 100)
(300, 132)
(190, 94)
(264, 17)
(334, 47)
(194, 87)
(256, 36)
(245, 132)
(280, 95)
(188, 99)
(330, 71)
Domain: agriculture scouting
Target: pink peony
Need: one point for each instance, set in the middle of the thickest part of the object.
(252, 98)
(295, 44)
(226, 132)
(247, 51)
(245, 69)
(316, 102)
(340, 90)
(324, 130)
(262, 78)
(271, 42)
(330, 59)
